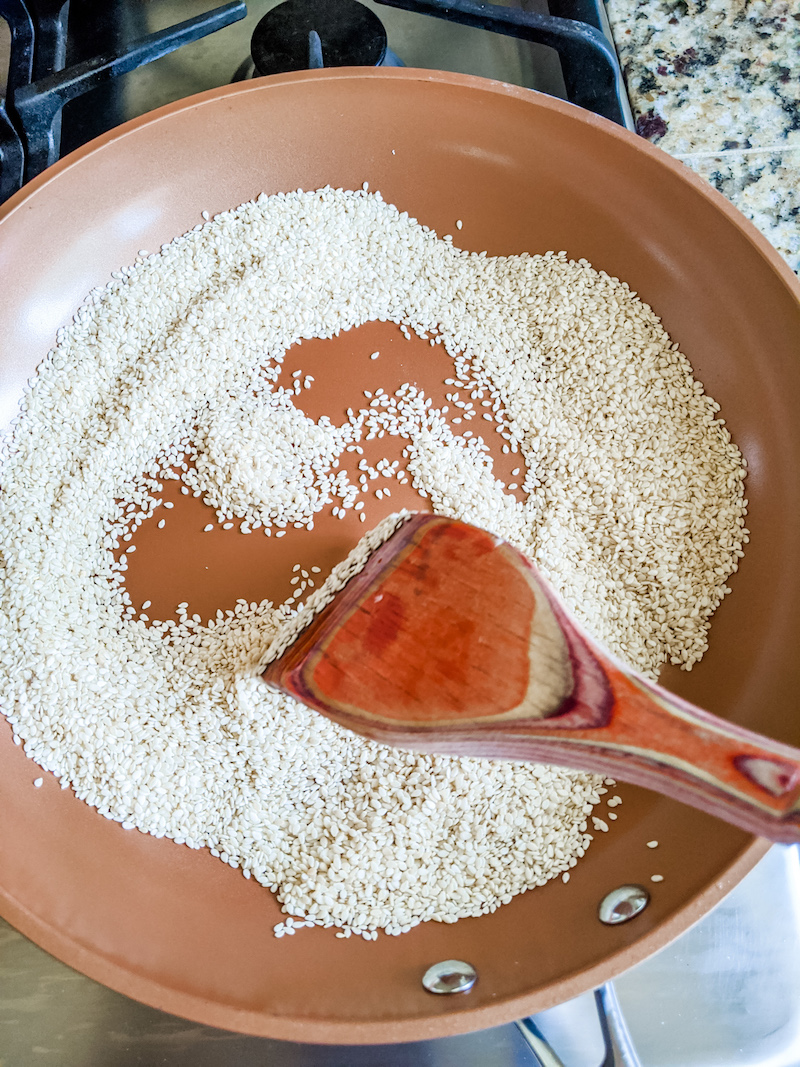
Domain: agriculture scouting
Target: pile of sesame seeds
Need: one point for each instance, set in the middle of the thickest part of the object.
(632, 506)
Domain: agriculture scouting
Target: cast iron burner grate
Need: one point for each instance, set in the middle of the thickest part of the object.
(296, 34)
(39, 86)
(577, 30)
(305, 34)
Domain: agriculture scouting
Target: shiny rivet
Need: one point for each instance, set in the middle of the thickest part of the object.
(623, 904)
(450, 976)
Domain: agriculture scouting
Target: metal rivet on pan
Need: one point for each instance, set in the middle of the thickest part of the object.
(450, 976)
(622, 904)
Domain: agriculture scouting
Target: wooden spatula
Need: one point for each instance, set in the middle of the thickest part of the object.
(450, 641)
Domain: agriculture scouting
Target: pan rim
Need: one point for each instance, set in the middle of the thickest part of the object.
(415, 74)
(333, 1031)
(338, 1031)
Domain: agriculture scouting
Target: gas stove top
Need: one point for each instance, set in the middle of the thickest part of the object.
(78, 68)
(726, 993)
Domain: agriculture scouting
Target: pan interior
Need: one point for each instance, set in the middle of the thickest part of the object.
(177, 928)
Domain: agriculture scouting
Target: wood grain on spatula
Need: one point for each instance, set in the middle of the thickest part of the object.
(450, 641)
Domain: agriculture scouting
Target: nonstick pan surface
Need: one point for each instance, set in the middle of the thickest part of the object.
(178, 929)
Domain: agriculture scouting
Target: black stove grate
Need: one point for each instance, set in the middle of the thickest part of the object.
(588, 60)
(40, 83)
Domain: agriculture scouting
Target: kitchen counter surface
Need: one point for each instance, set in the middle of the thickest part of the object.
(716, 83)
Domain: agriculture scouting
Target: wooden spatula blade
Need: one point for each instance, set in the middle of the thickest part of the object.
(438, 628)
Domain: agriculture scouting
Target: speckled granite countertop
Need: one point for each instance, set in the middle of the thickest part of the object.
(716, 83)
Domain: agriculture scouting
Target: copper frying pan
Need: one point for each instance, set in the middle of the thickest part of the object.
(179, 930)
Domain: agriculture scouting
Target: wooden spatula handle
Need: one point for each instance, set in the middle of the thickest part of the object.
(654, 739)
(616, 722)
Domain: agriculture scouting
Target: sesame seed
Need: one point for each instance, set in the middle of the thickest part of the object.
(181, 739)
